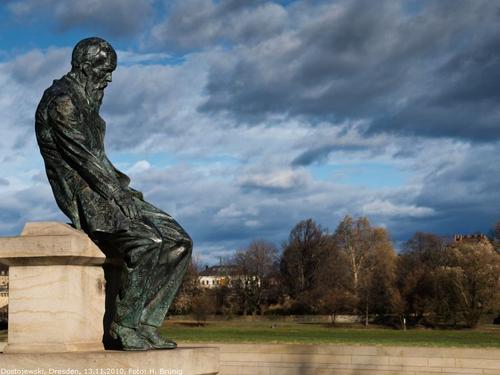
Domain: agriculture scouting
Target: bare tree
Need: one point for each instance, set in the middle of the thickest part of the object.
(370, 261)
(189, 289)
(475, 270)
(378, 281)
(352, 238)
(302, 255)
(494, 236)
(419, 273)
(256, 265)
(203, 305)
(333, 292)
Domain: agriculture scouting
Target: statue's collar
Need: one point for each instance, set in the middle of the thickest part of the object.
(77, 86)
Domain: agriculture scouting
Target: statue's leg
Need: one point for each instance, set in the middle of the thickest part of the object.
(140, 248)
(165, 283)
(168, 273)
(172, 264)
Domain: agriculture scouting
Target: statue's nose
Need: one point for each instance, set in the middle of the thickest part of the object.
(108, 77)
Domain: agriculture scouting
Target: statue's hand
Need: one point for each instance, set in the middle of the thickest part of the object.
(136, 193)
(126, 203)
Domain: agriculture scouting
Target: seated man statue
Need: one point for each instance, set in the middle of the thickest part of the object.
(97, 198)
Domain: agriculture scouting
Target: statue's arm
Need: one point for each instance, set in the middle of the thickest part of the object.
(73, 145)
(125, 181)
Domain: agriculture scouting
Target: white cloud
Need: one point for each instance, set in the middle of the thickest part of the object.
(387, 208)
(277, 180)
(139, 167)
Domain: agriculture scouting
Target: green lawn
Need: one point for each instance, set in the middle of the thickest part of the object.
(299, 333)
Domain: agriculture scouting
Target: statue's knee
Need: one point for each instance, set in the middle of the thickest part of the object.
(187, 245)
(156, 241)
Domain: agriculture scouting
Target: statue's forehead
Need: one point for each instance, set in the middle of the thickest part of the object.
(109, 59)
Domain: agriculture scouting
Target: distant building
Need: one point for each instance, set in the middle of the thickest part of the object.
(4, 288)
(215, 276)
(471, 238)
(4, 277)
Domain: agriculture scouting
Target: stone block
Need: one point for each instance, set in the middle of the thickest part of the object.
(315, 358)
(56, 289)
(468, 371)
(55, 308)
(251, 357)
(493, 364)
(369, 360)
(408, 361)
(181, 361)
(441, 362)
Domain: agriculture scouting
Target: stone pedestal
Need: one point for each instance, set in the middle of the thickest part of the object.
(56, 290)
(181, 361)
(57, 311)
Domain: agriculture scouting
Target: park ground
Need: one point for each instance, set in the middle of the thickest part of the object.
(486, 336)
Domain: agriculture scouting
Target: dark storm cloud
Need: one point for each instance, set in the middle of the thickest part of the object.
(116, 17)
(463, 100)
(462, 187)
(469, 181)
(320, 154)
(430, 71)
(200, 23)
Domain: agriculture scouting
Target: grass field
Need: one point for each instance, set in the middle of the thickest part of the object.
(303, 333)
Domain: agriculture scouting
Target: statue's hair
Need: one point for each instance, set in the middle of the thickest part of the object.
(90, 50)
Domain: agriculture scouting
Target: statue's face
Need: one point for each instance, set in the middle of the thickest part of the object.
(101, 71)
(99, 75)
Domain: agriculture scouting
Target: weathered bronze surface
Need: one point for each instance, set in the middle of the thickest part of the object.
(97, 198)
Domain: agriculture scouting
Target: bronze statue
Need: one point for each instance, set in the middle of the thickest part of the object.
(97, 198)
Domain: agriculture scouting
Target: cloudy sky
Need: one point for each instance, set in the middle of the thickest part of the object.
(241, 118)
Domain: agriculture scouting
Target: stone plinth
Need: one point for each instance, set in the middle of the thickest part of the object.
(181, 361)
(56, 289)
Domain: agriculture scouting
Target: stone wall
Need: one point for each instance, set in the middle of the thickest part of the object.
(280, 359)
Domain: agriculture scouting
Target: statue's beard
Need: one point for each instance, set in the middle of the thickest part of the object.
(97, 99)
(95, 95)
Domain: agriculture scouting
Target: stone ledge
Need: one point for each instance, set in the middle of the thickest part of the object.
(181, 361)
(302, 359)
(49, 243)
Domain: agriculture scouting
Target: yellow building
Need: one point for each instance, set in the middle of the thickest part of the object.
(4, 287)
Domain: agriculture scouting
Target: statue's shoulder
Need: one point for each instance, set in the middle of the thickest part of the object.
(62, 97)
(62, 88)
(57, 90)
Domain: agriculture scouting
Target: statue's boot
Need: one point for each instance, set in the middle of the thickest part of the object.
(151, 335)
(128, 337)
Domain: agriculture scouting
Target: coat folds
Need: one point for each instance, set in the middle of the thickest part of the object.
(71, 139)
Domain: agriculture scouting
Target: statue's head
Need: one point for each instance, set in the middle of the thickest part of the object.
(93, 61)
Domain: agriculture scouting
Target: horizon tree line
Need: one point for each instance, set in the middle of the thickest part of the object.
(356, 271)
